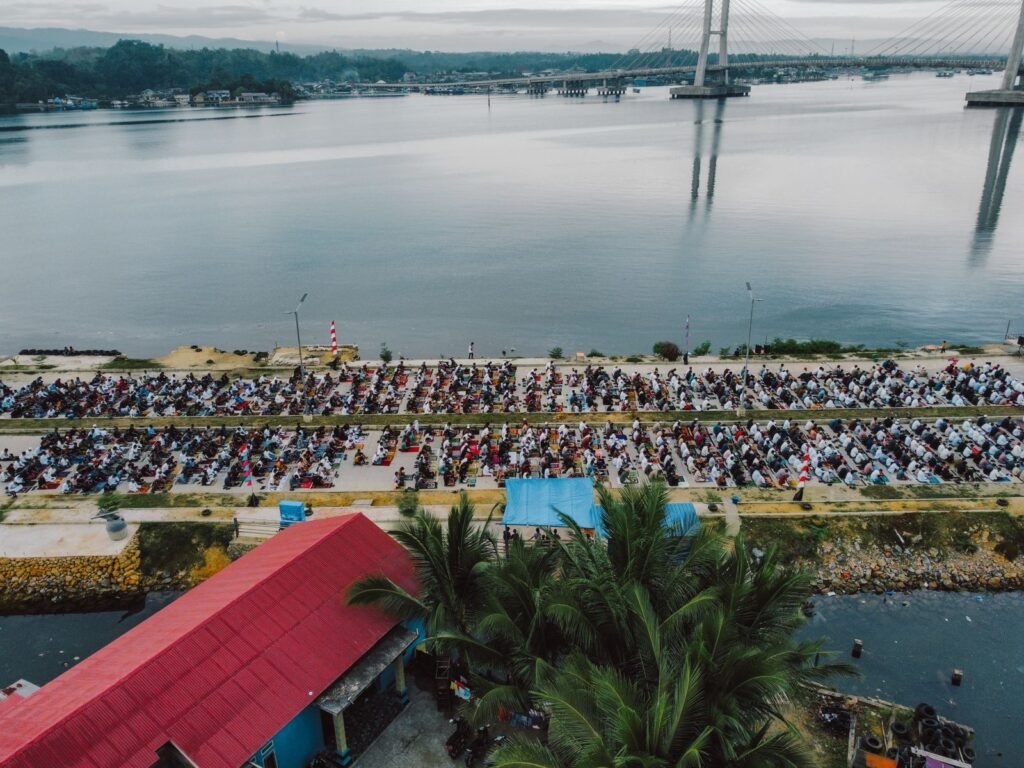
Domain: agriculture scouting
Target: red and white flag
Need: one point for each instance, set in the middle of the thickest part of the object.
(334, 340)
(246, 470)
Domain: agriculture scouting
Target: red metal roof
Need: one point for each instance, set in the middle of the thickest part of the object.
(222, 669)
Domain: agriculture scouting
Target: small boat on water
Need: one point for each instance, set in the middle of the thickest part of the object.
(872, 77)
(636, 90)
(947, 73)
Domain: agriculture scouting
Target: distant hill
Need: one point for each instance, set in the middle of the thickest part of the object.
(15, 40)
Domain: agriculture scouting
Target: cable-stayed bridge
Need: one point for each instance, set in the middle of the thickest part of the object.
(728, 35)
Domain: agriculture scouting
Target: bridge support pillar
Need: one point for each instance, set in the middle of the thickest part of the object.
(712, 82)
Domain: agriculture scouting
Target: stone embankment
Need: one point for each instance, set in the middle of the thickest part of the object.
(29, 583)
(850, 566)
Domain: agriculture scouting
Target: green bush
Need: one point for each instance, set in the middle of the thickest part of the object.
(702, 349)
(595, 353)
(385, 354)
(555, 352)
(634, 359)
(667, 350)
(408, 503)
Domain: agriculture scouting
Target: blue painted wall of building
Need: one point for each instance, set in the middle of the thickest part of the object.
(296, 743)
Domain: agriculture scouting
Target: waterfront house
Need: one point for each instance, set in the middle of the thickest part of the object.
(217, 97)
(263, 666)
(248, 97)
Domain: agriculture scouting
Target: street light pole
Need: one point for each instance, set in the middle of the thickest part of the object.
(746, 361)
(298, 337)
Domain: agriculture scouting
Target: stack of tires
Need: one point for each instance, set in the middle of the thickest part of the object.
(945, 739)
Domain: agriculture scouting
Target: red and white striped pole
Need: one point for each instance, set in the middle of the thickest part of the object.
(246, 469)
(334, 340)
(805, 472)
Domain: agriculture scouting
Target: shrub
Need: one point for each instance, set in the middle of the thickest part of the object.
(725, 352)
(408, 503)
(667, 350)
(634, 359)
(385, 353)
(595, 353)
(702, 349)
(555, 352)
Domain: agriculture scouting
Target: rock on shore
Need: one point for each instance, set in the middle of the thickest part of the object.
(846, 566)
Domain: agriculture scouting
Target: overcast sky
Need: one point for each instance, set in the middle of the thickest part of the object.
(454, 25)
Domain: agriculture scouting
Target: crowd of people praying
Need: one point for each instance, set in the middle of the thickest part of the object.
(766, 454)
(452, 387)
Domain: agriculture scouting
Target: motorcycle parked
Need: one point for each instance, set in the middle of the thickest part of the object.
(481, 745)
(457, 742)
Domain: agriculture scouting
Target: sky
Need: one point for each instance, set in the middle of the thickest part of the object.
(461, 25)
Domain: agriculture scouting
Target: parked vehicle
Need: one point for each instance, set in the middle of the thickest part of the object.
(481, 746)
(457, 742)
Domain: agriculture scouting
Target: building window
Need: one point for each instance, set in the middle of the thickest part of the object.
(270, 760)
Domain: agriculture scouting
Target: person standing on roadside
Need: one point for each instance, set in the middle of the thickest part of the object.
(471, 354)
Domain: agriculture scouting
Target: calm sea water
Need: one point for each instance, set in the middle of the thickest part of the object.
(39, 647)
(913, 642)
(858, 210)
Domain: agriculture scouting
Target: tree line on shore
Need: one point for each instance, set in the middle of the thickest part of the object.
(649, 648)
(131, 66)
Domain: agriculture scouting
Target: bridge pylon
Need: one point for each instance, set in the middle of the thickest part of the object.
(712, 82)
(1010, 94)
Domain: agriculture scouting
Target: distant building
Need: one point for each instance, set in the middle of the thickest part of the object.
(199, 100)
(409, 77)
(217, 97)
(256, 667)
(181, 99)
(249, 97)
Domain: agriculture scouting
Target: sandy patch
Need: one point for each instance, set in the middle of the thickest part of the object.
(207, 358)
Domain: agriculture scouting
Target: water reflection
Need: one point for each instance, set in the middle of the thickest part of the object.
(1005, 132)
(716, 133)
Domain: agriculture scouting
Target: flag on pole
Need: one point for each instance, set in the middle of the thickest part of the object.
(334, 340)
(804, 476)
(246, 469)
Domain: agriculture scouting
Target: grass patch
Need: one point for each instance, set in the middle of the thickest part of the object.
(881, 492)
(4, 508)
(174, 548)
(130, 364)
(801, 538)
(169, 500)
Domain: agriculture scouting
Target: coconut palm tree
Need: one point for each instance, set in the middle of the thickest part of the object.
(450, 560)
(679, 662)
(517, 627)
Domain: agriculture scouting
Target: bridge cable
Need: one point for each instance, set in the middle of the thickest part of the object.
(939, 36)
(777, 34)
(776, 38)
(923, 32)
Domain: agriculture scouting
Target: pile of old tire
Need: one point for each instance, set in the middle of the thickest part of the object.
(69, 351)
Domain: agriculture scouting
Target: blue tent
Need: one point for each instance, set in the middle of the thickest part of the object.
(534, 502)
(684, 516)
(681, 515)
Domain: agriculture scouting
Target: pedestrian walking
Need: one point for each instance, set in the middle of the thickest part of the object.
(471, 354)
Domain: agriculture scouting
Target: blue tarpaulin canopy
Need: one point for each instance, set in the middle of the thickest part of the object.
(679, 515)
(534, 502)
(683, 516)
(537, 502)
